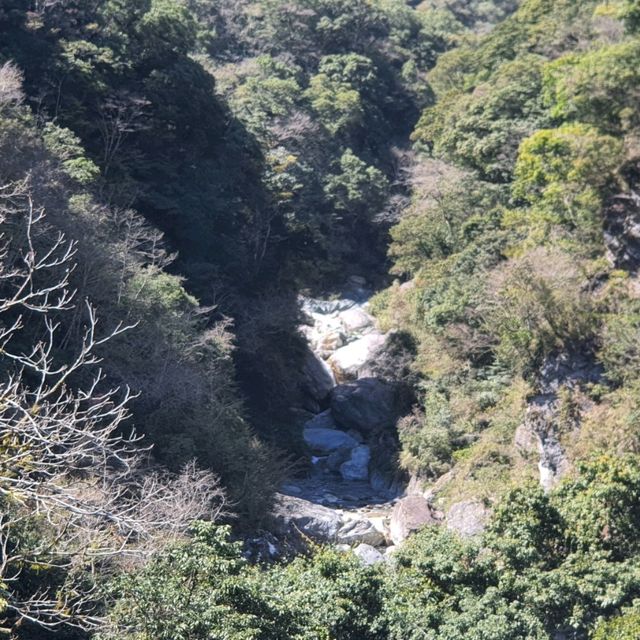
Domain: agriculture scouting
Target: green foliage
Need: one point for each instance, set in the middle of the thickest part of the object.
(337, 104)
(167, 26)
(162, 292)
(192, 591)
(442, 223)
(623, 627)
(257, 134)
(63, 144)
(631, 15)
(482, 129)
(596, 87)
(205, 589)
(561, 174)
(619, 339)
(358, 189)
(539, 307)
(427, 438)
(600, 508)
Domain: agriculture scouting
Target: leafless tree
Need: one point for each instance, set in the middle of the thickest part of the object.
(120, 116)
(67, 463)
(10, 85)
(140, 243)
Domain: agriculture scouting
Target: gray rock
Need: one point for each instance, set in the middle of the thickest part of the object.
(368, 555)
(317, 377)
(379, 482)
(330, 342)
(357, 467)
(291, 515)
(409, 515)
(347, 362)
(540, 419)
(291, 489)
(356, 435)
(387, 485)
(622, 229)
(525, 440)
(322, 420)
(328, 440)
(467, 518)
(359, 531)
(389, 552)
(410, 285)
(365, 405)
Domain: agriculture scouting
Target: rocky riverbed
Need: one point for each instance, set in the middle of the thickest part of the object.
(348, 498)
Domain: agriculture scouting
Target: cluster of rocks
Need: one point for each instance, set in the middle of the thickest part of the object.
(347, 500)
(344, 343)
(338, 437)
(373, 531)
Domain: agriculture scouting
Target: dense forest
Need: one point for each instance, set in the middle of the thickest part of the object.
(175, 174)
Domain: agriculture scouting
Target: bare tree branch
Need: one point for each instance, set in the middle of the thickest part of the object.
(68, 462)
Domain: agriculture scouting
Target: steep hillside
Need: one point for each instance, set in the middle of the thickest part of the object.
(198, 199)
(519, 253)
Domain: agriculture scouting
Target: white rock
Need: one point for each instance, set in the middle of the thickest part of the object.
(330, 342)
(368, 555)
(356, 320)
(359, 531)
(295, 514)
(325, 307)
(409, 515)
(317, 377)
(347, 362)
(322, 420)
(467, 518)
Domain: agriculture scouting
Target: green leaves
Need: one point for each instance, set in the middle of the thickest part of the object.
(562, 174)
(631, 15)
(204, 590)
(481, 129)
(337, 104)
(598, 87)
(359, 189)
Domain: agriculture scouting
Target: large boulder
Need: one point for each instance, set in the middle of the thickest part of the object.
(357, 466)
(408, 516)
(359, 531)
(317, 377)
(356, 320)
(294, 515)
(336, 459)
(350, 361)
(365, 405)
(328, 440)
(467, 518)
